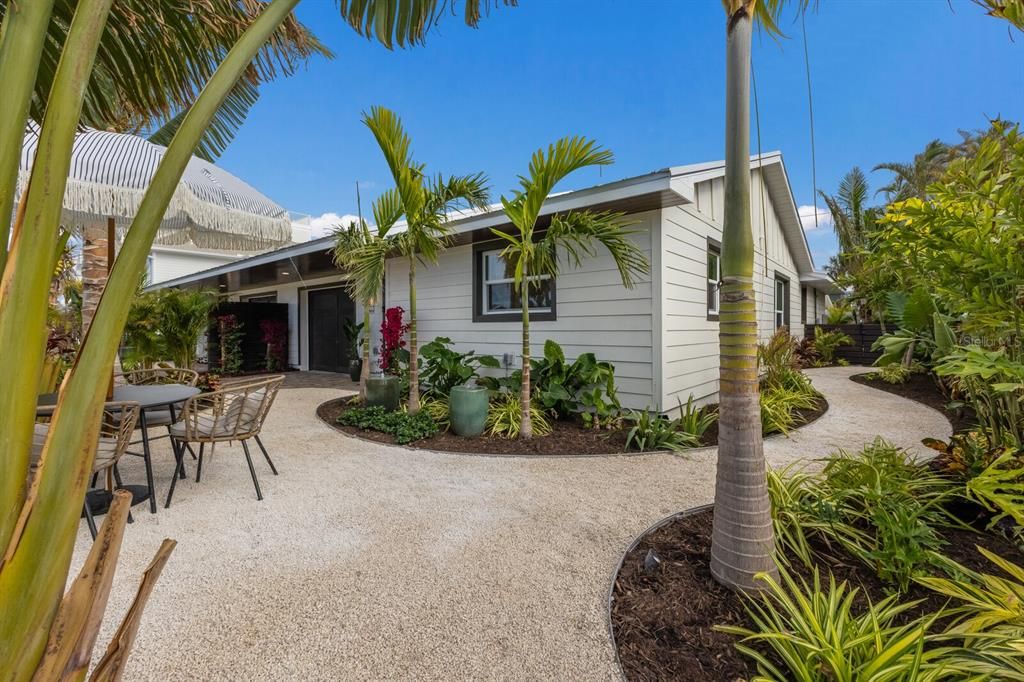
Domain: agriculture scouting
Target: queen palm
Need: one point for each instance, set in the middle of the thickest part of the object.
(573, 236)
(363, 252)
(47, 634)
(426, 202)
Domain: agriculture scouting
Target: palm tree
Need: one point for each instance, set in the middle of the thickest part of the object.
(742, 540)
(46, 633)
(911, 180)
(573, 236)
(426, 202)
(363, 253)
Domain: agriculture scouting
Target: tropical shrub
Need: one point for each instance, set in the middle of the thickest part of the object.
(840, 312)
(1000, 487)
(505, 417)
(780, 408)
(816, 634)
(438, 410)
(442, 368)
(874, 504)
(275, 335)
(405, 427)
(827, 342)
(893, 374)
(993, 384)
(966, 455)
(392, 339)
(353, 332)
(695, 420)
(923, 332)
(230, 333)
(983, 601)
(585, 386)
(166, 325)
(652, 431)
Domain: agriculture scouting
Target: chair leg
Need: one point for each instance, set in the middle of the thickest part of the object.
(179, 456)
(190, 450)
(89, 520)
(266, 454)
(252, 469)
(199, 466)
(147, 458)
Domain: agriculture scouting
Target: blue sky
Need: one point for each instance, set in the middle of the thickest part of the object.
(647, 82)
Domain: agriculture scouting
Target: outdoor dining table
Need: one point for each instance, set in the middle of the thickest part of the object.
(154, 397)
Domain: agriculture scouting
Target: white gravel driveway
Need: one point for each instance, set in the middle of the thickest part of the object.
(371, 562)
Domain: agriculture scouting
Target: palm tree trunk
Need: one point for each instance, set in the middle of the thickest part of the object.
(742, 542)
(94, 271)
(525, 422)
(414, 364)
(364, 371)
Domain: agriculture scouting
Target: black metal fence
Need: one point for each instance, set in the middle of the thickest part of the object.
(863, 335)
(250, 316)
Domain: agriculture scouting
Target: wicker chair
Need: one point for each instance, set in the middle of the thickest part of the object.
(161, 375)
(115, 435)
(230, 414)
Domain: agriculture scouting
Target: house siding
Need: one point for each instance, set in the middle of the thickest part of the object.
(168, 265)
(595, 313)
(690, 340)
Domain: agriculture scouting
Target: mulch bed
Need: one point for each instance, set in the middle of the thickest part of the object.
(663, 622)
(923, 389)
(566, 437)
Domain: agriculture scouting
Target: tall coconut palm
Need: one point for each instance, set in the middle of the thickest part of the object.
(571, 237)
(47, 634)
(363, 252)
(426, 202)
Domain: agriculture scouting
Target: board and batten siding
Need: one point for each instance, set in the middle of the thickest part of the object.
(595, 313)
(689, 340)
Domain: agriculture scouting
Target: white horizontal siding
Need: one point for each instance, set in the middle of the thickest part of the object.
(169, 265)
(595, 313)
(689, 339)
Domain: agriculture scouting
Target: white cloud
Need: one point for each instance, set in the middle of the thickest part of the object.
(323, 225)
(807, 217)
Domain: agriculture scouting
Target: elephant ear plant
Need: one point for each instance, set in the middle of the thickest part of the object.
(45, 632)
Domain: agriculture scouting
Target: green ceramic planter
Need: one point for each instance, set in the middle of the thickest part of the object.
(384, 391)
(467, 407)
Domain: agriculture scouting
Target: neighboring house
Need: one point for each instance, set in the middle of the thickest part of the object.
(173, 262)
(662, 336)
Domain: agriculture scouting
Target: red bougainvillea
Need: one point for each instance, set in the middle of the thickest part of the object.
(392, 338)
(275, 335)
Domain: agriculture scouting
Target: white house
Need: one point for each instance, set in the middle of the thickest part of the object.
(167, 263)
(662, 335)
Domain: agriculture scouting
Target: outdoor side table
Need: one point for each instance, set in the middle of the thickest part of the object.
(164, 396)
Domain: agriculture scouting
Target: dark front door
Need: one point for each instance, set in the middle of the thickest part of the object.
(328, 308)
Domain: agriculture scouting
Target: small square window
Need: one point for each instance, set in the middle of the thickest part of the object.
(500, 298)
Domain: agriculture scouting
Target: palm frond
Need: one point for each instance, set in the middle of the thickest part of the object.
(155, 57)
(402, 23)
(578, 235)
(547, 169)
(396, 146)
(387, 210)
(226, 123)
(457, 192)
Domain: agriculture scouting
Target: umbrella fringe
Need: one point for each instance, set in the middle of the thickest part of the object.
(188, 218)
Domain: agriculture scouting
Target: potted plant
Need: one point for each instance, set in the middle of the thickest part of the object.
(447, 374)
(385, 389)
(353, 332)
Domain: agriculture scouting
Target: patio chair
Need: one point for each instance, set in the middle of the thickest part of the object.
(161, 375)
(233, 413)
(116, 429)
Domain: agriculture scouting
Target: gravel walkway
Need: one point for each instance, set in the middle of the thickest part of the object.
(370, 562)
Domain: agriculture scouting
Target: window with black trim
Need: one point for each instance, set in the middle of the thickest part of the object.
(714, 276)
(496, 296)
(261, 298)
(803, 305)
(781, 301)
